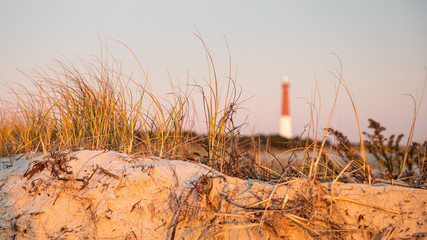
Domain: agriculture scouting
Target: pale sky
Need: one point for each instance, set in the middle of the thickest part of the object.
(382, 44)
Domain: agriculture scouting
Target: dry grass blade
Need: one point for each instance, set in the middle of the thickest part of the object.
(411, 132)
(360, 203)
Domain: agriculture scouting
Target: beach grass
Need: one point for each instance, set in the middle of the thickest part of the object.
(96, 105)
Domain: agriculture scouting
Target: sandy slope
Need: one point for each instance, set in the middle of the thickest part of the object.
(107, 195)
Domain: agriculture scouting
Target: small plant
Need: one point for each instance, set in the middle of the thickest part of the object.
(386, 151)
(390, 154)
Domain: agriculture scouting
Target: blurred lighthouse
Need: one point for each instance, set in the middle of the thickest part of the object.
(285, 119)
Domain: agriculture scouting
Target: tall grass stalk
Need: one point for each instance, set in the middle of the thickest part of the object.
(339, 76)
(414, 119)
(314, 165)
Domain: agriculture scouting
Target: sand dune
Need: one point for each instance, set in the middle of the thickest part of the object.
(108, 195)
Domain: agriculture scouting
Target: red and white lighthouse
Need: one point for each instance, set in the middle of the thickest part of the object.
(285, 119)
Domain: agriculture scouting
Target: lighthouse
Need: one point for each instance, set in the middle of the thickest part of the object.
(285, 119)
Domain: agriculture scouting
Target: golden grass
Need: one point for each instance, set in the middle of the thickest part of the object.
(95, 105)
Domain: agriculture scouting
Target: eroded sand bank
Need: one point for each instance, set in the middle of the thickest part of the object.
(108, 195)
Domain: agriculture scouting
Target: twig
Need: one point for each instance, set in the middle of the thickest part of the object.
(177, 213)
(107, 172)
(271, 208)
(397, 183)
(87, 180)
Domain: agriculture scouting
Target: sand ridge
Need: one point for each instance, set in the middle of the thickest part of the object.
(109, 195)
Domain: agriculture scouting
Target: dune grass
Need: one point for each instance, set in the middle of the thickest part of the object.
(95, 105)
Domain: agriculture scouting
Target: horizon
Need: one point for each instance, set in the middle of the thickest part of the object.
(381, 45)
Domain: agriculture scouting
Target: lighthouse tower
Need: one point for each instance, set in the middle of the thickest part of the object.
(285, 119)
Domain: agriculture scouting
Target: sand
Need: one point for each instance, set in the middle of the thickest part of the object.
(108, 195)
